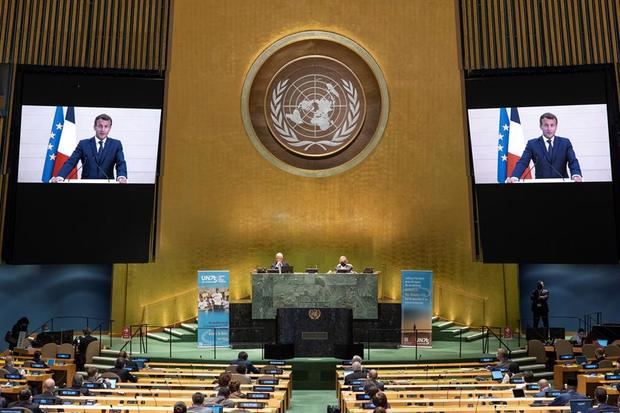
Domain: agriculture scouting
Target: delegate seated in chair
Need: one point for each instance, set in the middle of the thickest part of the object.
(119, 370)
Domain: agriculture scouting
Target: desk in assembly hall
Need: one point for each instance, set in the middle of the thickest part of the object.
(561, 371)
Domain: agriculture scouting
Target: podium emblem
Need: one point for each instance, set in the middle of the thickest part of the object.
(314, 313)
(315, 103)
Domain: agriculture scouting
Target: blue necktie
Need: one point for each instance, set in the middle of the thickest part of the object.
(549, 148)
(99, 150)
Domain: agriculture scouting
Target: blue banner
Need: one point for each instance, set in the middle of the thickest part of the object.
(213, 308)
(416, 308)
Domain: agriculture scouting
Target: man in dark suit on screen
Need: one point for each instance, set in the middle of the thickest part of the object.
(99, 155)
(551, 154)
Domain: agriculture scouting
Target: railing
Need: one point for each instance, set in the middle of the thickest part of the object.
(375, 336)
(487, 331)
(141, 333)
(595, 318)
(477, 305)
(56, 322)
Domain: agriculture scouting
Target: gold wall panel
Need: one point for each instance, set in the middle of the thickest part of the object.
(120, 34)
(533, 33)
(223, 206)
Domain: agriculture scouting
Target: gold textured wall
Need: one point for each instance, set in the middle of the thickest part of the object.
(222, 206)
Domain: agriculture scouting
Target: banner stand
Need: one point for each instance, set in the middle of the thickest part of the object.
(416, 308)
(213, 308)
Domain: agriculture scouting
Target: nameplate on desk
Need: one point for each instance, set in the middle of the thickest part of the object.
(12, 376)
(612, 376)
(362, 396)
(357, 389)
(263, 388)
(37, 365)
(277, 362)
(590, 366)
(314, 335)
(63, 356)
(46, 400)
(258, 396)
(488, 360)
(273, 371)
(566, 357)
(250, 405)
(68, 392)
(271, 382)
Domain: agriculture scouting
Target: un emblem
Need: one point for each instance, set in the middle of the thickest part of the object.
(316, 106)
(314, 313)
(315, 103)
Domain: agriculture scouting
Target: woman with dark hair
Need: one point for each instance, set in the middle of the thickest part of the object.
(380, 400)
(223, 380)
(513, 370)
(235, 390)
(36, 358)
(179, 407)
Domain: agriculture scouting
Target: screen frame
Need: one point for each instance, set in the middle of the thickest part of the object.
(42, 85)
(481, 92)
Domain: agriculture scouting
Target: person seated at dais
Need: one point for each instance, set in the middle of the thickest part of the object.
(279, 264)
(343, 265)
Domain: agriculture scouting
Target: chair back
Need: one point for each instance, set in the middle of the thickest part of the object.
(66, 348)
(241, 378)
(612, 351)
(605, 364)
(111, 375)
(91, 351)
(231, 368)
(563, 347)
(48, 351)
(535, 348)
(3, 372)
(17, 410)
(588, 351)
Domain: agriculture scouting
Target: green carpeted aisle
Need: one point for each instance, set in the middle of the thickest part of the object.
(312, 401)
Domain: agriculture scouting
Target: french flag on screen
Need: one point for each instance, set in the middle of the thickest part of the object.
(510, 145)
(61, 144)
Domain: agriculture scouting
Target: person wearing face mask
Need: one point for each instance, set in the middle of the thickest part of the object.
(540, 308)
(343, 265)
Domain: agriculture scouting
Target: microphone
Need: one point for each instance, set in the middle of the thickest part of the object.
(100, 169)
(529, 170)
(556, 171)
(74, 174)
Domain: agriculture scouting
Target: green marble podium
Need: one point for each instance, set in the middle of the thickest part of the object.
(301, 290)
